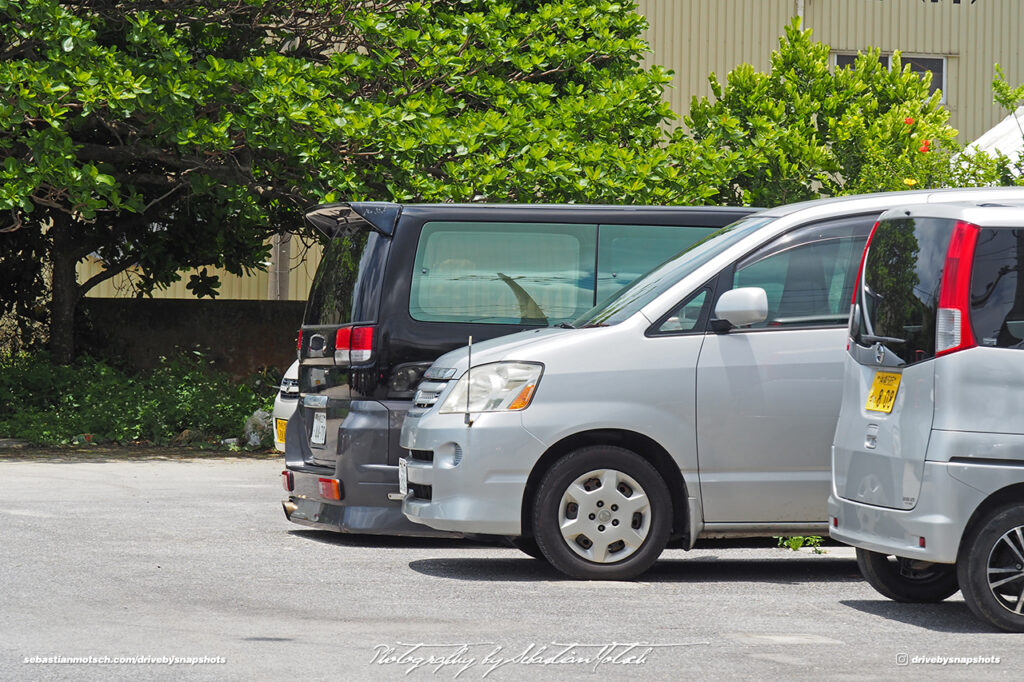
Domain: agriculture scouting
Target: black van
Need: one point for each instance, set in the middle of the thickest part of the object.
(400, 285)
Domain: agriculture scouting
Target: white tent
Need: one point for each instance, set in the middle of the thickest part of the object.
(1007, 137)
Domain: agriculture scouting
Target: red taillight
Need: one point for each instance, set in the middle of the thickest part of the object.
(353, 344)
(298, 344)
(341, 343)
(362, 344)
(288, 480)
(953, 320)
(330, 488)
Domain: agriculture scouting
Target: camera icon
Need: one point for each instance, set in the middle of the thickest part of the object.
(902, 659)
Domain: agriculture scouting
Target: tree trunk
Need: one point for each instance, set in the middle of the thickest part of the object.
(64, 291)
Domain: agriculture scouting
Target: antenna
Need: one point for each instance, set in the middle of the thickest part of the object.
(469, 384)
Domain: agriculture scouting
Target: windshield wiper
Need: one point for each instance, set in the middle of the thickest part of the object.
(871, 338)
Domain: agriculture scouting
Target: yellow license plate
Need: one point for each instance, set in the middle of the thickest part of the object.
(883, 392)
(281, 425)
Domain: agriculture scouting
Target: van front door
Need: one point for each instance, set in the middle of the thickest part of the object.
(768, 395)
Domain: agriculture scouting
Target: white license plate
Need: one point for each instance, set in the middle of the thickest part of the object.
(319, 435)
(403, 477)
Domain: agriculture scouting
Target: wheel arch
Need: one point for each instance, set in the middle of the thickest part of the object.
(642, 445)
(1004, 497)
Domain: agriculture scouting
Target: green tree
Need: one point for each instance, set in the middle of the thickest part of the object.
(804, 130)
(171, 135)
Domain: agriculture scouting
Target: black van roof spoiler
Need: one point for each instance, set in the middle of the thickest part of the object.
(332, 220)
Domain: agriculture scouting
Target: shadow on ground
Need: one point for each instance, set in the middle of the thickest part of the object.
(948, 616)
(705, 569)
(388, 541)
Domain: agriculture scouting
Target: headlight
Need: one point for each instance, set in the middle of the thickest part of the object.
(496, 387)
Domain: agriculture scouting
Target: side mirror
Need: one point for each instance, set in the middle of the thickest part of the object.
(740, 307)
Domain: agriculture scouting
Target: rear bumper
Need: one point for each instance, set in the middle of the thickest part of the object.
(364, 441)
(943, 509)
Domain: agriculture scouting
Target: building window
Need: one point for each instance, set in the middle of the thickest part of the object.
(928, 68)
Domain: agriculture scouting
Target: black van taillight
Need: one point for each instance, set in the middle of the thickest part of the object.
(298, 344)
(953, 321)
(353, 344)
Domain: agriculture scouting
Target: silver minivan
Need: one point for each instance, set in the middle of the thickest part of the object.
(699, 402)
(928, 456)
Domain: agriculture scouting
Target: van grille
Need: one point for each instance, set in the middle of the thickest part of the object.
(428, 392)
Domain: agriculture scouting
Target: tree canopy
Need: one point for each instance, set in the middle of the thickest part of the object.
(168, 135)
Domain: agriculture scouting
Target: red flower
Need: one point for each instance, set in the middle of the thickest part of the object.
(909, 121)
(924, 146)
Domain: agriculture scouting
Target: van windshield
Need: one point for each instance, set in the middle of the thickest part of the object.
(656, 282)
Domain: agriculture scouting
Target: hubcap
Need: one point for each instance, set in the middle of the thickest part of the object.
(1006, 570)
(604, 516)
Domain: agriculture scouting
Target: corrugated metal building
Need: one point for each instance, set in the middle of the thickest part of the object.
(959, 41)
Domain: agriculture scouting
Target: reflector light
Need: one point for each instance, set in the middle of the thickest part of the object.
(952, 322)
(288, 481)
(835, 522)
(920, 542)
(329, 489)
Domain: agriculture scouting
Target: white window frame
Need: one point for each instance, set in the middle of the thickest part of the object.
(833, 61)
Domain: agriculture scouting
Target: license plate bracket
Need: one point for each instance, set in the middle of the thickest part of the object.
(882, 395)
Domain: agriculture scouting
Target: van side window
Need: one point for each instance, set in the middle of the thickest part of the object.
(808, 274)
(997, 288)
(684, 318)
(625, 252)
(503, 273)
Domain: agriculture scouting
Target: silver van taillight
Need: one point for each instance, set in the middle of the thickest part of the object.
(952, 321)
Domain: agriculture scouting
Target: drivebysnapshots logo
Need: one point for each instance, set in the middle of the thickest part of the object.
(486, 658)
(908, 659)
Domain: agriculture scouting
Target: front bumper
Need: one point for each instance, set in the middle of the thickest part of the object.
(477, 477)
(940, 516)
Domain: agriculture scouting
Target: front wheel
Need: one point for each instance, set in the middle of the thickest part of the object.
(991, 568)
(602, 513)
(907, 580)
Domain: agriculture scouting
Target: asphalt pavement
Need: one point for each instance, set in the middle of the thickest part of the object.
(179, 569)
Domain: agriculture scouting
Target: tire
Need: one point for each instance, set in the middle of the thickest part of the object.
(991, 569)
(907, 580)
(528, 546)
(602, 513)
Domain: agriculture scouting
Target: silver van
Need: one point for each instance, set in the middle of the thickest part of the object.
(699, 402)
(928, 456)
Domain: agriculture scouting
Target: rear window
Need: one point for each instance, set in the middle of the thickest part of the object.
(902, 277)
(997, 288)
(347, 284)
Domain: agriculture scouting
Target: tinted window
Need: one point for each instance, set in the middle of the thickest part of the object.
(346, 287)
(503, 273)
(997, 288)
(808, 274)
(642, 291)
(902, 277)
(625, 252)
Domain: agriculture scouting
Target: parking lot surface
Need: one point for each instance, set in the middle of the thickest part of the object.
(188, 569)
